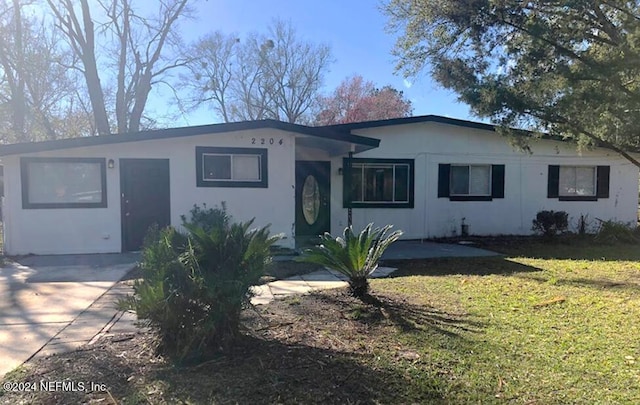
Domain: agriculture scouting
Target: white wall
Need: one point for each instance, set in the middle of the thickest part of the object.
(98, 230)
(525, 182)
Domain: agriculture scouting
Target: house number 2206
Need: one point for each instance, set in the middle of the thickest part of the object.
(264, 141)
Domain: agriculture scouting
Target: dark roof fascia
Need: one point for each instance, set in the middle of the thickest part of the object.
(412, 120)
(443, 120)
(322, 132)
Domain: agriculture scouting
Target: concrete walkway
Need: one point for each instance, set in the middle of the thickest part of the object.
(51, 301)
(415, 249)
(297, 285)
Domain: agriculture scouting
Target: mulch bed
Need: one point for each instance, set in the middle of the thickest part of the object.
(323, 348)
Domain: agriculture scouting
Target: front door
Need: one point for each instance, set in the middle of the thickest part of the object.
(313, 193)
(144, 188)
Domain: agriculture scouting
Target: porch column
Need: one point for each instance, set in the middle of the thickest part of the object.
(348, 173)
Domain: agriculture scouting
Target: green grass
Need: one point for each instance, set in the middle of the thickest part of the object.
(552, 324)
(545, 324)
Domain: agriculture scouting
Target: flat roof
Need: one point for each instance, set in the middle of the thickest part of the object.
(320, 132)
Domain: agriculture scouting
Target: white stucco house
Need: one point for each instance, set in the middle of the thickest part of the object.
(426, 175)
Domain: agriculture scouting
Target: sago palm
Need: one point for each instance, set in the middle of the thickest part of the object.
(355, 256)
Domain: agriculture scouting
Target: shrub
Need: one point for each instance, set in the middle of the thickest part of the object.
(354, 256)
(194, 285)
(208, 218)
(549, 223)
(612, 232)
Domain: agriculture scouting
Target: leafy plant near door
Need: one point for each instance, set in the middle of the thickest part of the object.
(194, 285)
(355, 256)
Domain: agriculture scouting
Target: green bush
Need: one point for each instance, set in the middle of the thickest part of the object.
(208, 218)
(612, 232)
(194, 286)
(354, 256)
(549, 223)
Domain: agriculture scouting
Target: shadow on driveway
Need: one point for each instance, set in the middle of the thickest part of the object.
(41, 295)
(75, 268)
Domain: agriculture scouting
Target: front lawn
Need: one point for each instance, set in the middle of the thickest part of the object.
(545, 324)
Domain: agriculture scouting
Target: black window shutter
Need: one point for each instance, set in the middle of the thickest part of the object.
(497, 181)
(443, 180)
(602, 183)
(553, 183)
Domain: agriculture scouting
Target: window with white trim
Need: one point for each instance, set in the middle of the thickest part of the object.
(470, 180)
(231, 167)
(577, 181)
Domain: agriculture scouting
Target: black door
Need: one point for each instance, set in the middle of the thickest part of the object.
(313, 192)
(144, 188)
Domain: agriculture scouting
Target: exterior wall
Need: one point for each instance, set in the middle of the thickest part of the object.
(525, 183)
(98, 230)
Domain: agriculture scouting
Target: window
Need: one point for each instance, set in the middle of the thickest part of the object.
(63, 183)
(231, 167)
(575, 181)
(578, 183)
(469, 182)
(378, 183)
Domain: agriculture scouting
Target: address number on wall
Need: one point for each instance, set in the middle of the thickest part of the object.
(266, 141)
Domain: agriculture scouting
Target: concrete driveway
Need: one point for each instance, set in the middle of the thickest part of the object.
(41, 295)
(414, 249)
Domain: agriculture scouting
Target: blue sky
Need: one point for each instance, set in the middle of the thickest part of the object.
(355, 30)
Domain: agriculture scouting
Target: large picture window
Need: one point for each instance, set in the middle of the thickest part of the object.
(63, 183)
(578, 183)
(381, 183)
(231, 167)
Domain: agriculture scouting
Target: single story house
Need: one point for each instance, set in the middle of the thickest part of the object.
(426, 175)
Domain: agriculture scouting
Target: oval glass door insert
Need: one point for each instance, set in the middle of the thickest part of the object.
(310, 200)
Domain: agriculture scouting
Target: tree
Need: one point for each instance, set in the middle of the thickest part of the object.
(274, 75)
(355, 100)
(564, 68)
(38, 96)
(138, 45)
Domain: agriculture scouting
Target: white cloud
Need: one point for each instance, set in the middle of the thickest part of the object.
(407, 83)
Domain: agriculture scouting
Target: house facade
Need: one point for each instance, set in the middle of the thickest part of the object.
(427, 175)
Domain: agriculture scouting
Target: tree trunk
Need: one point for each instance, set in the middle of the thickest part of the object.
(121, 93)
(96, 96)
(19, 100)
(359, 287)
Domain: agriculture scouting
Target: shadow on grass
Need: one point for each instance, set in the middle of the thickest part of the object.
(477, 266)
(564, 248)
(409, 318)
(597, 283)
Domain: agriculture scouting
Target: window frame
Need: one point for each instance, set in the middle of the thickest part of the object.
(602, 183)
(24, 180)
(347, 164)
(469, 195)
(202, 151)
(594, 168)
(497, 183)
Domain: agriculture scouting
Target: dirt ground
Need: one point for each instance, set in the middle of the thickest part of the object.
(321, 348)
